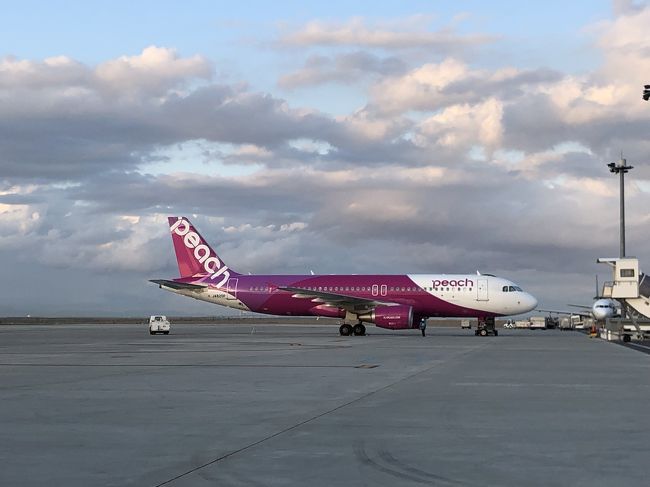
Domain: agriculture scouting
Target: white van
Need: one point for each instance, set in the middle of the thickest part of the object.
(159, 324)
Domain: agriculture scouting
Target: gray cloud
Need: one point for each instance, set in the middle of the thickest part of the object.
(343, 68)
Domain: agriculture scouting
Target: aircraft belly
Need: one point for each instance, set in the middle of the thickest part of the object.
(283, 304)
(452, 306)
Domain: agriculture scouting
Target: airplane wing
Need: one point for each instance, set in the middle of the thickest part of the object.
(578, 313)
(350, 303)
(176, 285)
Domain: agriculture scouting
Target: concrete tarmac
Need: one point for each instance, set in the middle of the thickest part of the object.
(273, 405)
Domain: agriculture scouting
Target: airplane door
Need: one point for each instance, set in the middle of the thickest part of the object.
(375, 290)
(232, 288)
(384, 289)
(482, 290)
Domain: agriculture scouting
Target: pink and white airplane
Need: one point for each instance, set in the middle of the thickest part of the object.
(389, 301)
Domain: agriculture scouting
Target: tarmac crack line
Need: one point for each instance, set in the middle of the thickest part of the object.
(318, 416)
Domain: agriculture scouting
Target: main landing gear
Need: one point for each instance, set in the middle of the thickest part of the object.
(357, 330)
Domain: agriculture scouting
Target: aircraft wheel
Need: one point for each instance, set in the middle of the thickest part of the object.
(626, 338)
(359, 330)
(483, 332)
(345, 330)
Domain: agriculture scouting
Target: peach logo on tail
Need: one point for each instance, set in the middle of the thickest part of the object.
(192, 240)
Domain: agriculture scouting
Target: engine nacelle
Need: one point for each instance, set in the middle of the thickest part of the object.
(392, 317)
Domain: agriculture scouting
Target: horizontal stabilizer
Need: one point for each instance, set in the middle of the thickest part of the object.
(176, 285)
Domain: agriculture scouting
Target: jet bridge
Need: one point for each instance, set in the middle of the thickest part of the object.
(632, 290)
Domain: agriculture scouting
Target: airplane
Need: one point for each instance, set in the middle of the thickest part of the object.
(388, 301)
(602, 309)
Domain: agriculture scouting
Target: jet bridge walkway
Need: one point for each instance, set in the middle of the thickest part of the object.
(641, 304)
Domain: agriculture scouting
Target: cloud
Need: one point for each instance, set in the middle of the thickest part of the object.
(112, 117)
(343, 68)
(356, 32)
(627, 7)
(464, 126)
(154, 72)
(437, 85)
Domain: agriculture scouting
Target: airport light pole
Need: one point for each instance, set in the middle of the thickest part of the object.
(621, 168)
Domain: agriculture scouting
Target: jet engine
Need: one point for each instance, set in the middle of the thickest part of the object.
(392, 317)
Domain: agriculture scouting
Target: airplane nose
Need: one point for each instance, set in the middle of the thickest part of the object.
(528, 302)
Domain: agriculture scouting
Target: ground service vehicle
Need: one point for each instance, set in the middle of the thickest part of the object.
(538, 323)
(159, 324)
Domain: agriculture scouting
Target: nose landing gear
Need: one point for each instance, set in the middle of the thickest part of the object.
(486, 327)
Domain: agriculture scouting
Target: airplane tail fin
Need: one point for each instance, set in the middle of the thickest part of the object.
(194, 255)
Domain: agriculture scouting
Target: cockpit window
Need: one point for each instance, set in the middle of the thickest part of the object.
(504, 289)
(517, 288)
(511, 289)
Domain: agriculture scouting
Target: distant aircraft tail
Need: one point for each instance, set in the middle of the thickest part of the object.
(194, 255)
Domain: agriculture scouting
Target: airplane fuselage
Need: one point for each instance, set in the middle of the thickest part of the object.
(430, 295)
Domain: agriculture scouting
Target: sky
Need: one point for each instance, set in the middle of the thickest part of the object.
(377, 137)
